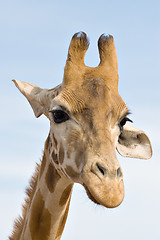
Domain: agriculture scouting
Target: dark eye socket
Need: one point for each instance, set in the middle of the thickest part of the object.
(59, 116)
(123, 122)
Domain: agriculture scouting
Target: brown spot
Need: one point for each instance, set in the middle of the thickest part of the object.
(61, 154)
(63, 221)
(40, 219)
(54, 157)
(65, 195)
(71, 172)
(43, 164)
(52, 177)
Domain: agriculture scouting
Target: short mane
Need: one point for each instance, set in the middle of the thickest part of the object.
(19, 222)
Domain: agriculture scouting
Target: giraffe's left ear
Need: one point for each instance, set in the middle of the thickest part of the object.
(37, 97)
(134, 143)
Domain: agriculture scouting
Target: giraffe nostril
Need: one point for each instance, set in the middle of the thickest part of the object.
(119, 172)
(101, 169)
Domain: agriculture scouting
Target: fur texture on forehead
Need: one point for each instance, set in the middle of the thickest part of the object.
(93, 93)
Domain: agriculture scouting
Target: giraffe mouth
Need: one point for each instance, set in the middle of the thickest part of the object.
(106, 196)
(90, 195)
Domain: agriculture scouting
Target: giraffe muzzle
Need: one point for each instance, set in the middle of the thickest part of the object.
(104, 186)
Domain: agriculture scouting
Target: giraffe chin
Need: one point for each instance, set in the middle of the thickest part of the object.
(110, 195)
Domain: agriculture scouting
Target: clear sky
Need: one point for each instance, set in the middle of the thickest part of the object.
(34, 41)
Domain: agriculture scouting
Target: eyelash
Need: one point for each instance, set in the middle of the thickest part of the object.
(123, 122)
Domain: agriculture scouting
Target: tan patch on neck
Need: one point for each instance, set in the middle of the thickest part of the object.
(65, 195)
(63, 221)
(52, 177)
(40, 219)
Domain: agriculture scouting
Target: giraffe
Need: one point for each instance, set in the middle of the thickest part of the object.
(87, 124)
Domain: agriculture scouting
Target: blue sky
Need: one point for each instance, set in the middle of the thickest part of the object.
(34, 41)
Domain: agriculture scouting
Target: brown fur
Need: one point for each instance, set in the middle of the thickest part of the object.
(61, 154)
(40, 221)
(54, 157)
(65, 195)
(71, 172)
(52, 177)
(63, 221)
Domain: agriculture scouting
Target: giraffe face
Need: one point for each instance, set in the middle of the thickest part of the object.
(87, 122)
(86, 139)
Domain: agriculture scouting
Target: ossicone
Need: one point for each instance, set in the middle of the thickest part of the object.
(75, 68)
(78, 47)
(107, 51)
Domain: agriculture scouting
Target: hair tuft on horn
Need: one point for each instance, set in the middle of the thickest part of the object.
(107, 50)
(78, 47)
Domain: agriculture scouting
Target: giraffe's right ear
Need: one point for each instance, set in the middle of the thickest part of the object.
(37, 97)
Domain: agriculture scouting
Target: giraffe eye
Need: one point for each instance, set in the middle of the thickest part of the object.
(123, 122)
(59, 116)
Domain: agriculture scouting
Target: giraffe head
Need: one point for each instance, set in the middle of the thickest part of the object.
(87, 122)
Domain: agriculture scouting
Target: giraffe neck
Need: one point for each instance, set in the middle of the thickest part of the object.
(48, 209)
